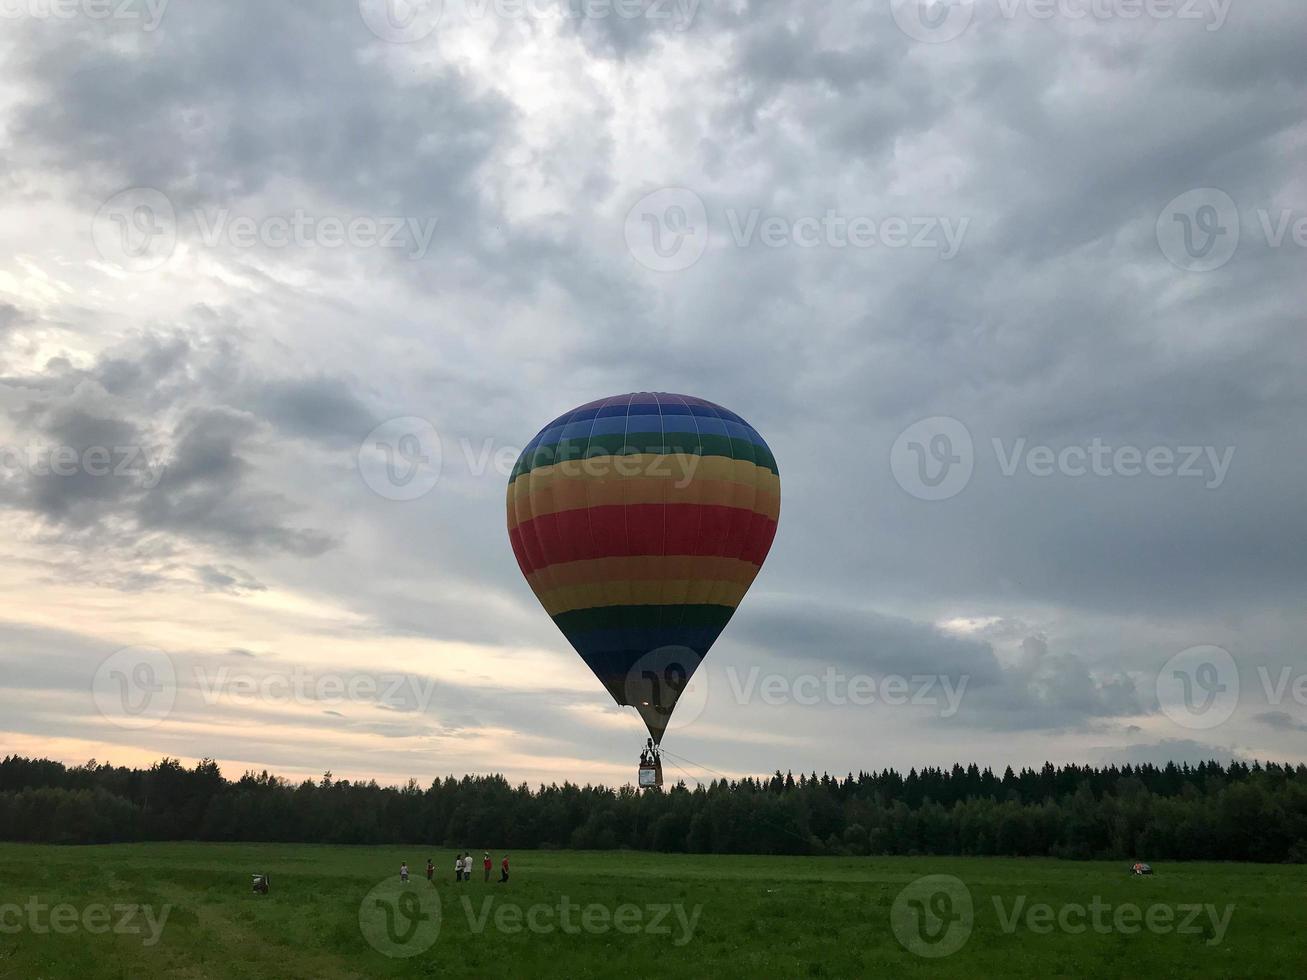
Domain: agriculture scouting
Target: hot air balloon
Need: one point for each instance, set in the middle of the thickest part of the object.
(640, 521)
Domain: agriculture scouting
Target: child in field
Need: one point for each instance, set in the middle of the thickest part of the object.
(503, 868)
(431, 872)
(403, 872)
(458, 867)
(486, 865)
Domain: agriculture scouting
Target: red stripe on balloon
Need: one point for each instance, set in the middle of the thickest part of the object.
(616, 531)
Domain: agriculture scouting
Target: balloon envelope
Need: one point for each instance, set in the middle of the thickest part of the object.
(640, 521)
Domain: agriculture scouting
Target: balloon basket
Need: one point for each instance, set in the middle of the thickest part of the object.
(651, 768)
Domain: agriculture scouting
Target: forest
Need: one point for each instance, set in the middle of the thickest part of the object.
(1210, 811)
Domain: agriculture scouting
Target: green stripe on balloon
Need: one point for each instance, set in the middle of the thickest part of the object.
(643, 617)
(637, 443)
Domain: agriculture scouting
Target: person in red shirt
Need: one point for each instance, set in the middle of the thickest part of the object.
(487, 865)
(503, 866)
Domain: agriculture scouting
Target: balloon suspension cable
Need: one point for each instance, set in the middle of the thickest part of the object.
(699, 765)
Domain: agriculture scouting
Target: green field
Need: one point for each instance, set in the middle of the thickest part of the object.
(602, 914)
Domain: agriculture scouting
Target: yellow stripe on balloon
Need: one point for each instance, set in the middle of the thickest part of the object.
(529, 498)
(645, 593)
(677, 467)
(659, 568)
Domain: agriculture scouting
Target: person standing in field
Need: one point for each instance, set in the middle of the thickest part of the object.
(467, 866)
(503, 870)
(458, 867)
(431, 873)
(403, 872)
(486, 864)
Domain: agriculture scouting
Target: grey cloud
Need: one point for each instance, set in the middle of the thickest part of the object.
(319, 408)
(231, 580)
(1059, 321)
(202, 492)
(1175, 750)
(864, 640)
(196, 479)
(1281, 721)
(1043, 690)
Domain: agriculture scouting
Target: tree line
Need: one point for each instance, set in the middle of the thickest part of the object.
(1210, 811)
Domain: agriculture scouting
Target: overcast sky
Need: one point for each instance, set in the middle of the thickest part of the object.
(1014, 290)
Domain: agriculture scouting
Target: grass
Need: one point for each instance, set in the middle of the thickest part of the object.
(756, 916)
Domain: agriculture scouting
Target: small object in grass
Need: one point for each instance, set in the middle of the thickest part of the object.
(1140, 868)
(260, 884)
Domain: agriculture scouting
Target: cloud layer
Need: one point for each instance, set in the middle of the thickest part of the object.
(239, 239)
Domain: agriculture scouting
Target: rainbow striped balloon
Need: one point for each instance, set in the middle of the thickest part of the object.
(639, 522)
